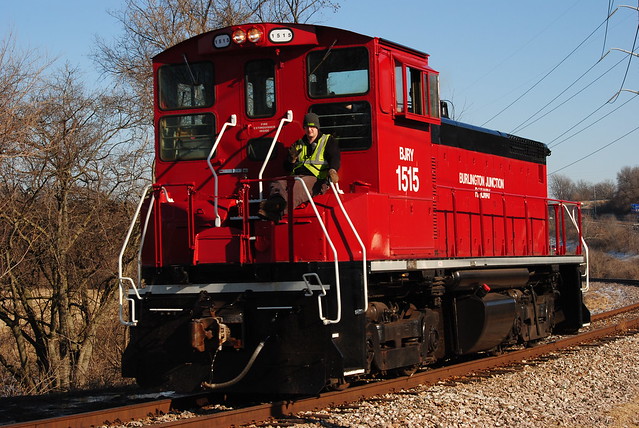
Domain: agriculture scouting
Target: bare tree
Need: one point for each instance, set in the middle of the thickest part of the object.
(561, 187)
(583, 191)
(604, 190)
(150, 26)
(19, 76)
(20, 73)
(61, 224)
(293, 10)
(627, 189)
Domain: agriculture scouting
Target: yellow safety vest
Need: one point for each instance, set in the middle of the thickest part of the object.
(315, 161)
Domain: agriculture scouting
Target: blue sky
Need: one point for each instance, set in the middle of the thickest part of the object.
(503, 64)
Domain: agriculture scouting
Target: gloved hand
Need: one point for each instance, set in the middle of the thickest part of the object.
(293, 154)
(333, 174)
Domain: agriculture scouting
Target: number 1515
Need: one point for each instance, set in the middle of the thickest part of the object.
(407, 178)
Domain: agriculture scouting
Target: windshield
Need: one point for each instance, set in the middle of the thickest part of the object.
(185, 86)
(186, 137)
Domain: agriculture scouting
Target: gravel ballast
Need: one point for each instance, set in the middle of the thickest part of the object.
(591, 386)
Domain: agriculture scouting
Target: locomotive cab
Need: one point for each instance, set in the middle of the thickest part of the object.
(438, 240)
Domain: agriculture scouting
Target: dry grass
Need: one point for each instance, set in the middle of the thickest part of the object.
(614, 247)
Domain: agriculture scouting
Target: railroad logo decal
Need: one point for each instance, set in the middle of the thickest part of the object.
(483, 184)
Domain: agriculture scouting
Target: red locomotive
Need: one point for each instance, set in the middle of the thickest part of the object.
(439, 239)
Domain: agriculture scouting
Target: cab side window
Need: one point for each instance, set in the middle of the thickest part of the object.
(433, 95)
(348, 122)
(416, 92)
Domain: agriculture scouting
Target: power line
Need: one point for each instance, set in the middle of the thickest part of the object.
(525, 125)
(612, 99)
(593, 123)
(634, 45)
(575, 125)
(596, 151)
(605, 21)
(546, 75)
(603, 48)
(521, 47)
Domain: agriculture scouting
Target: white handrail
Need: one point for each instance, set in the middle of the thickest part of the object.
(145, 228)
(583, 244)
(330, 242)
(287, 119)
(231, 122)
(121, 278)
(361, 244)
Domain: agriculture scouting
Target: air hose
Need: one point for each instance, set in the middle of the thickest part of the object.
(242, 374)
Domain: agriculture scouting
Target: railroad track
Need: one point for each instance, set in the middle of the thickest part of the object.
(284, 409)
(633, 282)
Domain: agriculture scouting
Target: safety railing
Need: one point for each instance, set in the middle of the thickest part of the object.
(338, 290)
(337, 192)
(507, 207)
(232, 122)
(123, 280)
(560, 209)
(573, 210)
(287, 119)
(312, 278)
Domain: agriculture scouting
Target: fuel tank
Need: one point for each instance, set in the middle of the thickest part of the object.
(482, 323)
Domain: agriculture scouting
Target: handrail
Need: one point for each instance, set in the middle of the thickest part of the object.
(231, 122)
(359, 240)
(145, 228)
(584, 246)
(560, 223)
(287, 119)
(121, 278)
(526, 198)
(330, 242)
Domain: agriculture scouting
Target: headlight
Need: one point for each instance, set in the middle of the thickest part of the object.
(239, 36)
(254, 35)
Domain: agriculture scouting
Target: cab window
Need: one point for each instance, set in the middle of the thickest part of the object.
(260, 88)
(433, 95)
(186, 137)
(416, 92)
(338, 72)
(183, 86)
(348, 122)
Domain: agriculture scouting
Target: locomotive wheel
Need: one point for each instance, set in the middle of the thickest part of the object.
(370, 352)
(496, 351)
(407, 371)
(337, 385)
(149, 382)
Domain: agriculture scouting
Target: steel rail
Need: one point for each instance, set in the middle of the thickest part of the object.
(116, 415)
(100, 417)
(605, 315)
(284, 409)
(632, 282)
